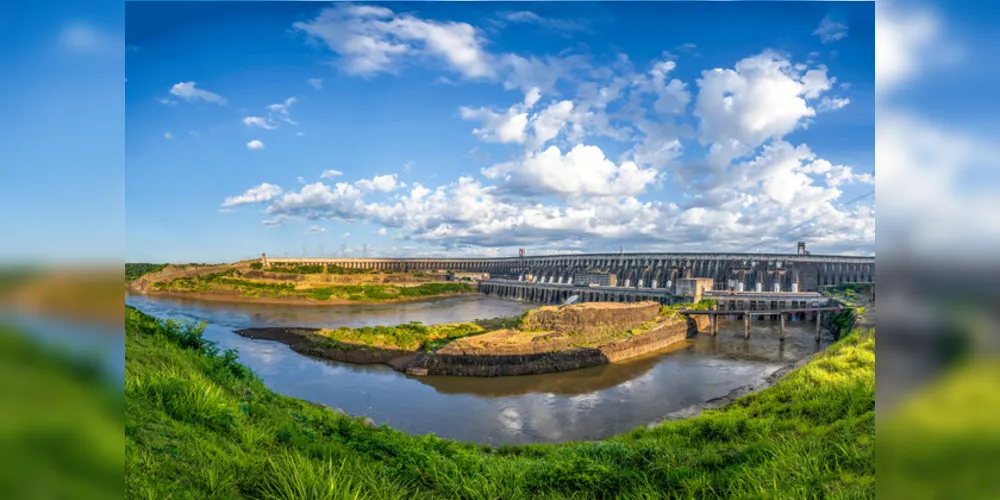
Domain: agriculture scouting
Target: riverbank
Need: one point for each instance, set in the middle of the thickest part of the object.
(200, 424)
(544, 340)
(295, 301)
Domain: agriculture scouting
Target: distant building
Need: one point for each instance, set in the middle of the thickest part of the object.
(598, 279)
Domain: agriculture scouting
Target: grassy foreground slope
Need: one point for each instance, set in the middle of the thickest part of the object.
(199, 424)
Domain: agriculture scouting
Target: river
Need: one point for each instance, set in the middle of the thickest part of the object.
(587, 404)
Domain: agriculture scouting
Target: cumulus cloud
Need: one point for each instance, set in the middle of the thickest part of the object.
(830, 31)
(381, 232)
(383, 183)
(505, 127)
(190, 92)
(584, 170)
(329, 174)
(255, 145)
(373, 39)
(260, 194)
(763, 97)
(559, 190)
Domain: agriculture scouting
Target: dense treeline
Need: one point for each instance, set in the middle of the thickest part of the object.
(134, 270)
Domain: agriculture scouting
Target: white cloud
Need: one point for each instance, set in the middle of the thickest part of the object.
(372, 40)
(672, 96)
(584, 170)
(260, 194)
(832, 103)
(902, 43)
(561, 25)
(753, 189)
(830, 31)
(329, 174)
(383, 183)
(763, 97)
(381, 232)
(549, 122)
(256, 121)
(189, 92)
(507, 127)
(276, 113)
(315, 230)
(280, 111)
(168, 135)
(347, 234)
(255, 144)
(316, 83)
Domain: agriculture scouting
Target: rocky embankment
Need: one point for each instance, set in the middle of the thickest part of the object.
(549, 339)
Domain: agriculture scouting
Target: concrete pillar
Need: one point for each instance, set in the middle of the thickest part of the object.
(746, 325)
(819, 317)
(715, 325)
(781, 329)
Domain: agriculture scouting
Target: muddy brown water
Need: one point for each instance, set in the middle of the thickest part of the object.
(588, 404)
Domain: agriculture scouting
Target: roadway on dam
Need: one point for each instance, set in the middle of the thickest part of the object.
(586, 404)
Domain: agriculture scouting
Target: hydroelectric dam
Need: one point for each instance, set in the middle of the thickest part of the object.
(649, 272)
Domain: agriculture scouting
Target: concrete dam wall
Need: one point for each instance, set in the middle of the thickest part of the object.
(643, 270)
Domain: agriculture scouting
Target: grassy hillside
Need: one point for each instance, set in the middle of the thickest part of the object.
(199, 424)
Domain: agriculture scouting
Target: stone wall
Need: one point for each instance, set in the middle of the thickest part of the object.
(590, 318)
(545, 357)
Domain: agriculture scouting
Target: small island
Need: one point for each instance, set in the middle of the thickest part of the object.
(290, 284)
(544, 340)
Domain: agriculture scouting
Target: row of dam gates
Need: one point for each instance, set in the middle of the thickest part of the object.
(769, 272)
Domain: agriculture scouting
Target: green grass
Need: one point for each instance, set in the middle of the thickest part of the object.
(61, 423)
(199, 425)
(410, 336)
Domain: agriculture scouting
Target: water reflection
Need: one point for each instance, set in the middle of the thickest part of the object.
(580, 405)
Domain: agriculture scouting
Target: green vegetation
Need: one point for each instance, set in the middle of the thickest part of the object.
(410, 336)
(674, 310)
(200, 425)
(134, 270)
(849, 293)
(227, 282)
(309, 269)
(61, 429)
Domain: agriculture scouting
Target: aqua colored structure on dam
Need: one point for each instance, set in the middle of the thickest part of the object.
(765, 272)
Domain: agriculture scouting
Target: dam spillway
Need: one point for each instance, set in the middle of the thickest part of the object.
(766, 271)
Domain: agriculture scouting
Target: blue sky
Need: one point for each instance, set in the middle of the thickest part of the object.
(477, 129)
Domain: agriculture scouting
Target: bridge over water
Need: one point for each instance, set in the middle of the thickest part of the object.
(647, 271)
